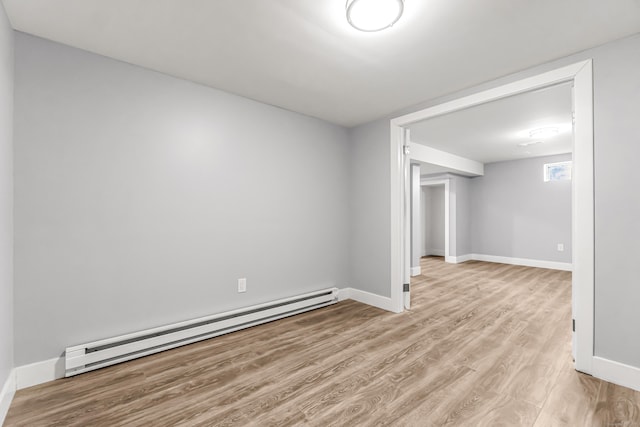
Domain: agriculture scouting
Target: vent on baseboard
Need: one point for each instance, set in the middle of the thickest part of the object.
(98, 354)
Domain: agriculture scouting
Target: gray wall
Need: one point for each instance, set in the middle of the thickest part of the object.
(425, 203)
(370, 213)
(141, 199)
(617, 150)
(463, 215)
(416, 217)
(453, 202)
(516, 214)
(6, 197)
(616, 68)
(434, 220)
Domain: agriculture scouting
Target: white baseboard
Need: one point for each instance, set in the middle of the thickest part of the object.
(6, 395)
(39, 372)
(459, 259)
(617, 373)
(344, 293)
(416, 271)
(553, 265)
(365, 298)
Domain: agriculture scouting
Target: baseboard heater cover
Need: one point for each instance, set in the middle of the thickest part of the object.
(99, 354)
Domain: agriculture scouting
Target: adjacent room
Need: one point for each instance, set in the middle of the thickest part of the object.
(360, 212)
(488, 257)
(518, 204)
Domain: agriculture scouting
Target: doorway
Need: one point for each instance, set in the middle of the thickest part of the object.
(430, 224)
(580, 76)
(433, 220)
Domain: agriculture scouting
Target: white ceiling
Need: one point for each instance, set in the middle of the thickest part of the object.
(491, 132)
(303, 56)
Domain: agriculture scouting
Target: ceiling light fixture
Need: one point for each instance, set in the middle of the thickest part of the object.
(544, 132)
(527, 144)
(373, 15)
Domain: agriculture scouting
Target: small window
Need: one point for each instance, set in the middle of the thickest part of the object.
(557, 171)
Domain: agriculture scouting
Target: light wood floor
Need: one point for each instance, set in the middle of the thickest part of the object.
(484, 345)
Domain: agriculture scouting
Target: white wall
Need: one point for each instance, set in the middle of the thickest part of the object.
(516, 214)
(6, 199)
(616, 68)
(142, 198)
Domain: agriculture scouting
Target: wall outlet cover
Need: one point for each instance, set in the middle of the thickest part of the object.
(242, 285)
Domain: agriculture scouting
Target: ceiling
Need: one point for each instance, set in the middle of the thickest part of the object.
(492, 132)
(303, 56)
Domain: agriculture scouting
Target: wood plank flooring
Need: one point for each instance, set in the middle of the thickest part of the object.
(484, 345)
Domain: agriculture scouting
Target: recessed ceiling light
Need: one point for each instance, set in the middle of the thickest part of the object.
(544, 132)
(373, 15)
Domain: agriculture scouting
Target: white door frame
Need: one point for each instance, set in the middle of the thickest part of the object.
(447, 212)
(581, 75)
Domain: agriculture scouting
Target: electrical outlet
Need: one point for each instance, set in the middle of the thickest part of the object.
(242, 285)
(560, 247)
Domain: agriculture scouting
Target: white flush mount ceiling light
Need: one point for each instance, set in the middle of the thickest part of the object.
(527, 144)
(544, 133)
(373, 15)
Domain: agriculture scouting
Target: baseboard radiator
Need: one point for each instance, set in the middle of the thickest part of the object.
(99, 354)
